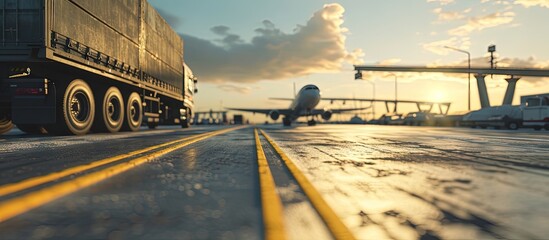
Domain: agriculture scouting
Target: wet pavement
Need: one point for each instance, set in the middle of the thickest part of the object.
(384, 182)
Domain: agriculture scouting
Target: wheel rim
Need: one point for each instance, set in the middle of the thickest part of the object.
(114, 110)
(135, 112)
(79, 107)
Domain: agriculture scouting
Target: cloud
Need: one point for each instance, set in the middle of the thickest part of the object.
(441, 2)
(450, 15)
(438, 47)
(388, 62)
(483, 22)
(316, 47)
(228, 38)
(235, 88)
(531, 3)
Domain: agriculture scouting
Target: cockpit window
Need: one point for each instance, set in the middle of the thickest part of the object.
(311, 88)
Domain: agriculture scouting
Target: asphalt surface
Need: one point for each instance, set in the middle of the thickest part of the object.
(383, 182)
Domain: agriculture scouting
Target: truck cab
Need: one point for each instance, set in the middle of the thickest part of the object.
(535, 111)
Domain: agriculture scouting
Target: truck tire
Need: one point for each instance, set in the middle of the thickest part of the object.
(134, 113)
(187, 122)
(110, 113)
(5, 123)
(512, 125)
(32, 129)
(76, 112)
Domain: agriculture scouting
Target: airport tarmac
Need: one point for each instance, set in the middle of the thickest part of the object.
(373, 182)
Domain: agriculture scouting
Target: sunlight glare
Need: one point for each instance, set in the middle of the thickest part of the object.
(438, 96)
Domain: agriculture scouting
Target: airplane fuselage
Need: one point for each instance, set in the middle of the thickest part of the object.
(305, 101)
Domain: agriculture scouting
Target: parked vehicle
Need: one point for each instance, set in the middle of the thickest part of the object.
(532, 113)
(535, 111)
(71, 66)
(394, 119)
(419, 119)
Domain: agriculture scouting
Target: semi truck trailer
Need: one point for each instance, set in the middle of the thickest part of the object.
(74, 66)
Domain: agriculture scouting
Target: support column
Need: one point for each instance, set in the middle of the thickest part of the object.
(510, 92)
(196, 115)
(482, 91)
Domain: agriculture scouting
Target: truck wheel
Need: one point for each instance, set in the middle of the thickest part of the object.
(5, 123)
(512, 125)
(32, 129)
(187, 122)
(537, 128)
(77, 111)
(111, 111)
(134, 113)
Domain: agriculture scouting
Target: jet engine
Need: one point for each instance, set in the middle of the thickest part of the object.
(274, 115)
(326, 115)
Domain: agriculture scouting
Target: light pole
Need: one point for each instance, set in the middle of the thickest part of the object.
(396, 99)
(469, 74)
(358, 76)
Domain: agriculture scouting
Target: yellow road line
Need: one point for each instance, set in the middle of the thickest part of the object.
(270, 201)
(33, 182)
(337, 228)
(25, 203)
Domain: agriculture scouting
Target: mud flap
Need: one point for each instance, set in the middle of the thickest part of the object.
(31, 107)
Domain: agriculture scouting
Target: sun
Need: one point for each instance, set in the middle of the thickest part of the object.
(438, 96)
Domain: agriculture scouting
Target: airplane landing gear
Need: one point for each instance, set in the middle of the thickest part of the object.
(311, 122)
(286, 121)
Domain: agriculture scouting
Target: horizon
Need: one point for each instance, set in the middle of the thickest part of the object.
(245, 52)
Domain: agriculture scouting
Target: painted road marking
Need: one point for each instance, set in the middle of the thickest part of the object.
(337, 228)
(25, 203)
(270, 201)
(33, 182)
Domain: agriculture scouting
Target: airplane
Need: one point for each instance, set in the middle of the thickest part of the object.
(303, 105)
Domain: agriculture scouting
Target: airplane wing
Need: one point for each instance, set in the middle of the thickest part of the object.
(264, 111)
(340, 110)
(383, 100)
(283, 99)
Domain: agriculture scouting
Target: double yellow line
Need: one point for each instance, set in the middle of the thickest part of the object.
(27, 202)
(272, 208)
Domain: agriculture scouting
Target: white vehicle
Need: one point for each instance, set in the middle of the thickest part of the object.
(535, 111)
(532, 113)
(505, 116)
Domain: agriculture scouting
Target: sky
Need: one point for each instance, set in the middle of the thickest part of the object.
(245, 51)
